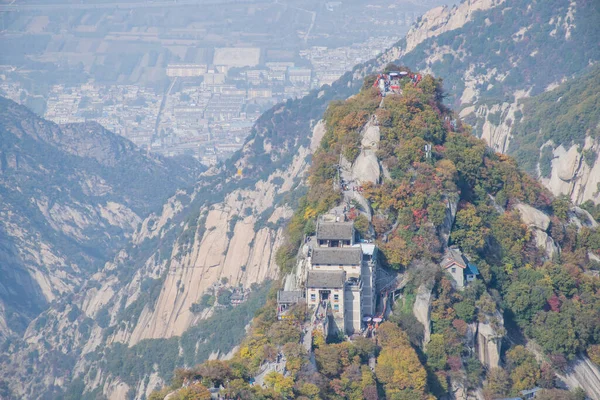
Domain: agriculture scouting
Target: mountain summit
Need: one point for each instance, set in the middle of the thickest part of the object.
(398, 178)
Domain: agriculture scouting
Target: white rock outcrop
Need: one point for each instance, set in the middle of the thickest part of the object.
(489, 341)
(498, 136)
(580, 218)
(573, 175)
(446, 227)
(444, 19)
(242, 252)
(546, 243)
(422, 310)
(533, 217)
(371, 136)
(366, 167)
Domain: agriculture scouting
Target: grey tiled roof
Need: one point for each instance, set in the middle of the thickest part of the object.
(453, 256)
(337, 256)
(292, 296)
(334, 231)
(325, 279)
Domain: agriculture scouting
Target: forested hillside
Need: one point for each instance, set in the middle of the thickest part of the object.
(492, 55)
(529, 294)
(557, 138)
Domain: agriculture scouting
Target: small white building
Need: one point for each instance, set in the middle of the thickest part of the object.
(459, 267)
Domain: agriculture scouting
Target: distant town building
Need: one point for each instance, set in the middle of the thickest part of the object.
(332, 5)
(279, 66)
(259, 93)
(237, 56)
(214, 78)
(186, 70)
(299, 76)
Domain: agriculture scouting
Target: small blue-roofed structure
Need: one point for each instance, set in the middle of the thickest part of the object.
(510, 398)
(471, 272)
(459, 267)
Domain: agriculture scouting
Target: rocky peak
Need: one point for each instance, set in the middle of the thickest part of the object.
(443, 19)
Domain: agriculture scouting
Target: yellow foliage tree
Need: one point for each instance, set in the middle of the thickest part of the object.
(398, 366)
(193, 392)
(279, 383)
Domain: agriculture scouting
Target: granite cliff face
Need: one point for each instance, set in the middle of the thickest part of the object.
(557, 137)
(70, 195)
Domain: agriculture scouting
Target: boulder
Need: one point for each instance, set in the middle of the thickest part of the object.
(546, 243)
(581, 218)
(533, 217)
(366, 167)
(489, 341)
(371, 136)
(572, 177)
(569, 164)
(459, 392)
(422, 310)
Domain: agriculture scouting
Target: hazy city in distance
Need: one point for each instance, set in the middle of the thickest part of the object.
(185, 76)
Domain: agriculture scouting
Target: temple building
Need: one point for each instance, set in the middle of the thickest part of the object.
(341, 276)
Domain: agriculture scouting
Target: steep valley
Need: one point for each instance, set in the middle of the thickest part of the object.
(67, 205)
(225, 229)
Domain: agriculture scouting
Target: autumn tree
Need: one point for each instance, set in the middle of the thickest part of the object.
(193, 392)
(436, 352)
(361, 224)
(332, 358)
(523, 367)
(497, 383)
(215, 371)
(469, 231)
(283, 332)
(398, 366)
(279, 383)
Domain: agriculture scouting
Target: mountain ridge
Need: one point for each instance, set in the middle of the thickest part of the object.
(47, 225)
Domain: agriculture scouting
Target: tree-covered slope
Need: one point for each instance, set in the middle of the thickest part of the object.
(543, 296)
(494, 54)
(557, 137)
(565, 115)
(71, 196)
